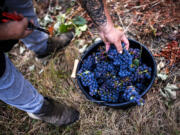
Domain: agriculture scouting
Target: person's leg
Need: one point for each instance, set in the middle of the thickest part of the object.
(18, 92)
(37, 41)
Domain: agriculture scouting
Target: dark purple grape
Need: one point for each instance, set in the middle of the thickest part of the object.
(115, 77)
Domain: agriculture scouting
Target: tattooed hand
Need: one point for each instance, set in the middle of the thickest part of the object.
(95, 9)
(98, 12)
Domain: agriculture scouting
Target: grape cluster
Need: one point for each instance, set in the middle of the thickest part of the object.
(115, 77)
(89, 80)
(107, 94)
(132, 94)
(88, 63)
(135, 53)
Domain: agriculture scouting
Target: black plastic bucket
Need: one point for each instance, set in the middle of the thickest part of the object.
(147, 58)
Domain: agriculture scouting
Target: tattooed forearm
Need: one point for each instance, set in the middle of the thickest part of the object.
(95, 9)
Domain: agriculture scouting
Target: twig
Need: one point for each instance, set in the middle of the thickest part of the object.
(151, 5)
(156, 3)
(121, 21)
(129, 24)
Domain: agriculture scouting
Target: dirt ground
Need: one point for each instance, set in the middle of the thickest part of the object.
(153, 23)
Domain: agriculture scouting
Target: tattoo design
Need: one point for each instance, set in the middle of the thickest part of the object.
(95, 9)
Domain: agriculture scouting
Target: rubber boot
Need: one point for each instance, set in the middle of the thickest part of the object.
(57, 43)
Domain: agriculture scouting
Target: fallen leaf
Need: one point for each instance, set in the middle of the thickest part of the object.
(81, 50)
(42, 70)
(31, 68)
(169, 91)
(51, 30)
(56, 26)
(167, 70)
(170, 52)
(80, 43)
(160, 66)
(83, 28)
(21, 50)
(162, 76)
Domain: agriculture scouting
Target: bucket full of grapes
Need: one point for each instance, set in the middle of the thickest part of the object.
(113, 79)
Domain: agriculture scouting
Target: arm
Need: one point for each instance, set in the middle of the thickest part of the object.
(14, 30)
(98, 12)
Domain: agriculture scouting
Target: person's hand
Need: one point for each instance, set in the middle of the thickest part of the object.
(112, 35)
(18, 29)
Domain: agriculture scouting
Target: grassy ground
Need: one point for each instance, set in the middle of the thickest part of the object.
(52, 78)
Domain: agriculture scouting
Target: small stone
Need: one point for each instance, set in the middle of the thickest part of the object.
(31, 68)
(21, 50)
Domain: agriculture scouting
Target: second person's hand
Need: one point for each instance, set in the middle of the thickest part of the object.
(18, 29)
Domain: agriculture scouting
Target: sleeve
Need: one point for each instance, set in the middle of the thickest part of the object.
(5, 45)
(2, 64)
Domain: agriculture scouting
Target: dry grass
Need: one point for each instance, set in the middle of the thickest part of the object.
(156, 117)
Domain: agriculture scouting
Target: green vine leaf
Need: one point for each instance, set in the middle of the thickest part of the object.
(78, 32)
(63, 28)
(83, 28)
(79, 21)
(136, 62)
